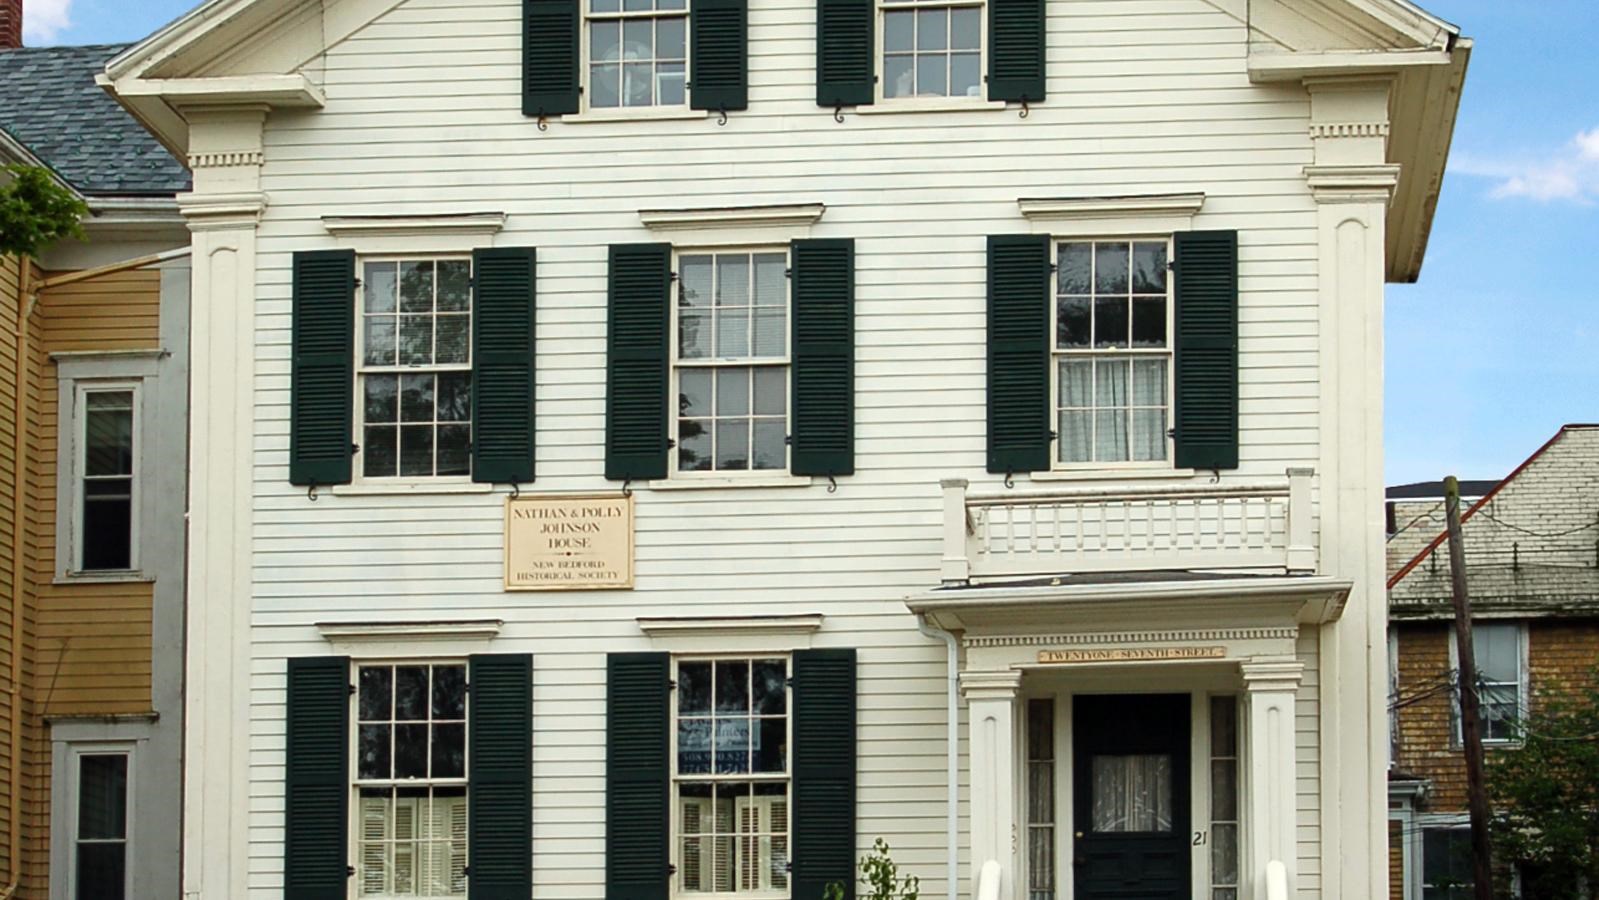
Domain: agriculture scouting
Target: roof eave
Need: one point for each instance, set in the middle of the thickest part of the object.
(158, 102)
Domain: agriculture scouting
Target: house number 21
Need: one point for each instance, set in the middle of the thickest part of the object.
(1199, 839)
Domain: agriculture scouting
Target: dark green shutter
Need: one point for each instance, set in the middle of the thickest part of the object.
(549, 57)
(637, 776)
(1016, 50)
(500, 802)
(1018, 353)
(824, 771)
(846, 48)
(316, 780)
(322, 381)
(1207, 349)
(502, 364)
(637, 379)
(719, 59)
(824, 358)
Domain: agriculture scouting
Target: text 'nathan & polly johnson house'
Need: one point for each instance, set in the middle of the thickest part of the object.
(645, 449)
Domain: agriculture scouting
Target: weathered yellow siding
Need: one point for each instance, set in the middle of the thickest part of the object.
(10, 305)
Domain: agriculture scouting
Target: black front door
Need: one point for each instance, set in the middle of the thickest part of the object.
(1130, 790)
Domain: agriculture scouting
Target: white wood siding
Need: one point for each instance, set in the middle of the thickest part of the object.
(423, 115)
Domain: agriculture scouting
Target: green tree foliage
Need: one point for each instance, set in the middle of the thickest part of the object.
(35, 212)
(880, 878)
(1547, 795)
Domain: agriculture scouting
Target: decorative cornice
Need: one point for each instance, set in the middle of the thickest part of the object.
(1137, 206)
(464, 629)
(1352, 184)
(702, 626)
(1002, 684)
(1272, 674)
(209, 212)
(792, 215)
(1135, 637)
(1348, 129)
(226, 159)
(482, 223)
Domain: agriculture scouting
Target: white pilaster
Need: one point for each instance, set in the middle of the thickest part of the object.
(223, 213)
(991, 716)
(1273, 808)
(1352, 182)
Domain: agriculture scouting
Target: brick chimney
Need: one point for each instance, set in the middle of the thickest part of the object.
(10, 24)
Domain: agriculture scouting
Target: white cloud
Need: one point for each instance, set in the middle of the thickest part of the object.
(1570, 174)
(42, 20)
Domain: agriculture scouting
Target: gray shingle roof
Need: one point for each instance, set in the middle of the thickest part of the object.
(49, 102)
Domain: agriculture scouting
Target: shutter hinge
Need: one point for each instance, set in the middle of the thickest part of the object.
(467, 871)
(671, 868)
(355, 448)
(349, 871)
(671, 685)
(788, 272)
(671, 444)
(358, 282)
(1171, 265)
(352, 690)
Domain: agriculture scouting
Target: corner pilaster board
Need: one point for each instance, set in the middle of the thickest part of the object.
(477, 223)
(459, 630)
(1056, 209)
(793, 215)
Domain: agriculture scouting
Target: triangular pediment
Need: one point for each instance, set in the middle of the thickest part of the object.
(1322, 26)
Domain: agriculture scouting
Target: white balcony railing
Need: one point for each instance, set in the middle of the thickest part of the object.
(1018, 533)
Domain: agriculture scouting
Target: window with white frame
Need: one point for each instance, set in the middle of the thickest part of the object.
(414, 405)
(100, 830)
(1500, 648)
(731, 777)
(1446, 867)
(1224, 814)
(410, 780)
(932, 48)
(1041, 874)
(107, 477)
(732, 361)
(1113, 352)
(637, 53)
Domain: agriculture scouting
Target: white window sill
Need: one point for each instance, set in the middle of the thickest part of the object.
(635, 114)
(724, 483)
(409, 488)
(921, 105)
(1111, 474)
(103, 578)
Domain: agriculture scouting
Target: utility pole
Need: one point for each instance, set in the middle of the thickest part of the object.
(1470, 710)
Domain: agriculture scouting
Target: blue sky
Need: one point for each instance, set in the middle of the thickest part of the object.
(1498, 346)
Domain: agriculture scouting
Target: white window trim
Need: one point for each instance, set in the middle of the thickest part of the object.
(675, 830)
(730, 478)
(1161, 468)
(360, 483)
(101, 370)
(885, 104)
(1422, 824)
(353, 784)
(1523, 685)
(64, 837)
(655, 111)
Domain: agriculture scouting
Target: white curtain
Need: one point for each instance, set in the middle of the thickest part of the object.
(1149, 419)
(1132, 793)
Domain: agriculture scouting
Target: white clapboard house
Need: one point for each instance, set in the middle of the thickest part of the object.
(651, 449)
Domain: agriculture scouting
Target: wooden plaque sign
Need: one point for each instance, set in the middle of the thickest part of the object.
(1129, 654)
(569, 543)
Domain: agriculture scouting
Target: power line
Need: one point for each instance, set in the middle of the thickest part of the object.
(1539, 534)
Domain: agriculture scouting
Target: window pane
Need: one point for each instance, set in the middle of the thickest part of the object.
(693, 445)
(380, 451)
(1149, 382)
(932, 30)
(771, 687)
(1110, 322)
(694, 339)
(771, 740)
(694, 746)
(411, 693)
(455, 397)
(379, 341)
(732, 687)
(1076, 269)
(1224, 790)
(382, 401)
(636, 5)
(102, 871)
(771, 445)
(1110, 383)
(1224, 853)
(694, 277)
(373, 761)
(108, 433)
(898, 78)
(455, 285)
(1110, 436)
(416, 340)
(454, 340)
(899, 31)
(1132, 793)
(416, 398)
(931, 72)
(1110, 268)
(637, 82)
(638, 39)
(1149, 322)
(693, 688)
(669, 37)
(449, 692)
(771, 279)
(103, 796)
(605, 86)
(1076, 436)
(732, 333)
(416, 450)
(771, 332)
(771, 391)
(376, 695)
(416, 287)
(108, 526)
(670, 84)
(1223, 726)
(379, 285)
(449, 751)
(732, 746)
(411, 751)
(1149, 268)
(1498, 651)
(733, 444)
(965, 79)
(1073, 326)
(605, 6)
(733, 280)
(455, 450)
(733, 392)
(1149, 435)
(965, 28)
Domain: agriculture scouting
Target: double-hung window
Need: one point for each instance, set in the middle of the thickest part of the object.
(414, 402)
(932, 48)
(411, 780)
(731, 777)
(100, 830)
(1501, 678)
(107, 481)
(732, 361)
(1113, 353)
(1446, 867)
(637, 53)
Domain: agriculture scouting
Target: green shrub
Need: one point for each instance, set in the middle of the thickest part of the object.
(880, 879)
